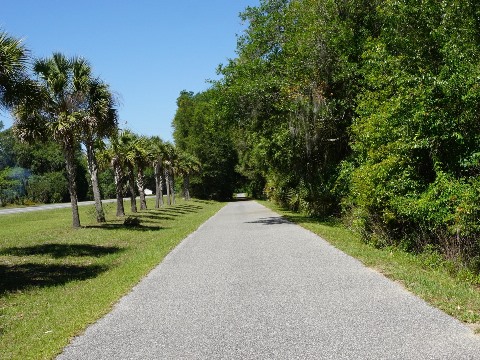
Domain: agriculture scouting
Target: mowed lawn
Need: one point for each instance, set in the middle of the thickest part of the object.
(55, 280)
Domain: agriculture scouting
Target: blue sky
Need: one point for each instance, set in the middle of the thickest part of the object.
(146, 50)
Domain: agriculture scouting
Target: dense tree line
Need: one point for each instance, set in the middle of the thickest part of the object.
(65, 128)
(201, 131)
(367, 110)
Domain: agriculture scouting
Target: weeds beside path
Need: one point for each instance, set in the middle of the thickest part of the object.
(55, 280)
(426, 275)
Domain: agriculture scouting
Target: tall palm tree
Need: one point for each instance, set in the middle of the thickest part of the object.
(114, 155)
(99, 121)
(188, 164)
(129, 157)
(170, 163)
(157, 149)
(56, 114)
(142, 157)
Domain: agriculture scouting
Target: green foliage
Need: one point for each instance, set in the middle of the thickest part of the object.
(202, 133)
(48, 188)
(7, 153)
(416, 137)
(40, 158)
(370, 107)
(107, 184)
(39, 175)
(14, 81)
(7, 186)
(291, 96)
(131, 221)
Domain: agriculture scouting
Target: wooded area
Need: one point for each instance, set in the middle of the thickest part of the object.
(364, 110)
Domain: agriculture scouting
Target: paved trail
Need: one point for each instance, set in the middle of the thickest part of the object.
(248, 285)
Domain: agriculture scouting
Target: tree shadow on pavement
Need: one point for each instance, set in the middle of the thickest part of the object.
(273, 220)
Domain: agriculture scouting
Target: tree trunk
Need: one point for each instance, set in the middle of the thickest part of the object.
(158, 185)
(172, 185)
(167, 184)
(131, 186)
(69, 153)
(93, 170)
(141, 189)
(186, 187)
(118, 174)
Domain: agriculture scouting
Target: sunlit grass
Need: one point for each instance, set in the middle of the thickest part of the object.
(430, 280)
(55, 280)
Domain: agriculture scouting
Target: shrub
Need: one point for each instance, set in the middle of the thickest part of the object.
(48, 188)
(131, 221)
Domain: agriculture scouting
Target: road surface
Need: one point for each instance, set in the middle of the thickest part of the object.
(54, 206)
(249, 285)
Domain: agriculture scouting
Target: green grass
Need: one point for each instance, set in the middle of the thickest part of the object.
(426, 275)
(55, 280)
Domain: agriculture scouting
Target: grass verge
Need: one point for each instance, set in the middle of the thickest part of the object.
(55, 280)
(425, 275)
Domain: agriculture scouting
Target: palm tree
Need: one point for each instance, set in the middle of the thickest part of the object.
(170, 163)
(56, 112)
(99, 121)
(142, 158)
(14, 82)
(188, 164)
(127, 152)
(157, 149)
(114, 155)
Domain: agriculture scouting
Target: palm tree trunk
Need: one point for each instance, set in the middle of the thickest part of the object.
(141, 188)
(158, 185)
(168, 184)
(131, 186)
(93, 170)
(118, 174)
(186, 186)
(69, 153)
(172, 185)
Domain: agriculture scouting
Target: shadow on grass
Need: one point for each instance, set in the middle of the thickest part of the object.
(176, 212)
(171, 210)
(62, 250)
(299, 218)
(201, 201)
(158, 216)
(180, 210)
(273, 220)
(25, 276)
(124, 227)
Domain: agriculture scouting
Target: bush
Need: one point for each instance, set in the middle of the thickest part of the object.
(48, 188)
(131, 221)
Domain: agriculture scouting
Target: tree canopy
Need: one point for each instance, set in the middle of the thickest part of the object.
(367, 110)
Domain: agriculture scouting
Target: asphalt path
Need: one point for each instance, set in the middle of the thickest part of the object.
(54, 206)
(250, 285)
(46, 207)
